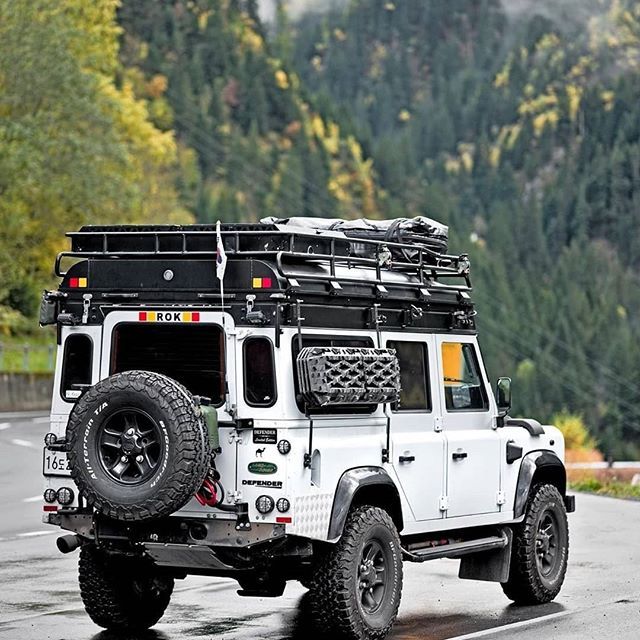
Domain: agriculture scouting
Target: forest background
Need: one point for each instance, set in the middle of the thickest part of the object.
(517, 123)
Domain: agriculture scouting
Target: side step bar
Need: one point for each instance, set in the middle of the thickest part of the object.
(458, 549)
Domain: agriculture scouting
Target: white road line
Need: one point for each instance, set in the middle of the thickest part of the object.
(4, 425)
(512, 626)
(41, 419)
(22, 443)
(33, 534)
(33, 498)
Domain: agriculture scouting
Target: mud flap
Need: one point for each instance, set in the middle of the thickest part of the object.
(490, 566)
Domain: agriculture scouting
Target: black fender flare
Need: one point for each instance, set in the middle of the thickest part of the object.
(531, 464)
(348, 486)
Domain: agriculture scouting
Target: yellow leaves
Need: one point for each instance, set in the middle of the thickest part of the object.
(536, 105)
(548, 41)
(282, 80)
(404, 115)
(608, 99)
(542, 120)
(131, 122)
(317, 126)
(574, 96)
(389, 6)
(452, 164)
(316, 63)
(502, 77)
(466, 156)
(203, 19)
(575, 432)
(494, 155)
(339, 35)
(332, 138)
(580, 69)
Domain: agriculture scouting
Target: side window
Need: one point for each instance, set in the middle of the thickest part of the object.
(321, 341)
(414, 376)
(259, 373)
(463, 386)
(76, 366)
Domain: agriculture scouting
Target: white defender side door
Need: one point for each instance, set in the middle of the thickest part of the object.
(473, 446)
(417, 447)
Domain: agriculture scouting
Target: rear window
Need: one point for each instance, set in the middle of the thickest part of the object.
(259, 373)
(76, 368)
(414, 376)
(192, 354)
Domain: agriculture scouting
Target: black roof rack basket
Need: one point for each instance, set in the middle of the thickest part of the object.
(286, 245)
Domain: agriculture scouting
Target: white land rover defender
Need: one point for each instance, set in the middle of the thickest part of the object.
(323, 416)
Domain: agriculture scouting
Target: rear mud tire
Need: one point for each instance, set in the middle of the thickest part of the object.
(339, 600)
(122, 594)
(540, 549)
(156, 469)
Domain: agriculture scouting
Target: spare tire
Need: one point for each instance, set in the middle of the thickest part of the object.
(137, 446)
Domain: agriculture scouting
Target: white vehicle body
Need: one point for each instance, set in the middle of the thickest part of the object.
(437, 492)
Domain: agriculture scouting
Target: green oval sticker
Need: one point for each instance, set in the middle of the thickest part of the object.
(264, 468)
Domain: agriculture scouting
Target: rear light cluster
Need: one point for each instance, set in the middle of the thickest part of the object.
(261, 283)
(266, 504)
(64, 496)
(78, 283)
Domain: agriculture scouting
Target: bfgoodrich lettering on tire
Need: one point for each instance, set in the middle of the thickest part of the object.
(356, 590)
(137, 446)
(540, 549)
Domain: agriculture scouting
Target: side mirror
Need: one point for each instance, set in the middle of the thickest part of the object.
(503, 395)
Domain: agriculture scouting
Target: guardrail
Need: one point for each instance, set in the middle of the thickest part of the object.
(604, 465)
(27, 358)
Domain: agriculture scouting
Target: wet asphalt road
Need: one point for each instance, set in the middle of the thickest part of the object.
(39, 597)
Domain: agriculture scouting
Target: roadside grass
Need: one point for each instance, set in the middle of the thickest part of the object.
(611, 487)
(28, 353)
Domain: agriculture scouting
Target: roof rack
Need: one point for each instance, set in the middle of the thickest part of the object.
(288, 247)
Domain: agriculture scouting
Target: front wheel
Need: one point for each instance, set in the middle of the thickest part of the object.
(540, 549)
(122, 593)
(357, 586)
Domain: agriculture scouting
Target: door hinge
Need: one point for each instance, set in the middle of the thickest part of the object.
(500, 498)
(437, 423)
(443, 503)
(235, 437)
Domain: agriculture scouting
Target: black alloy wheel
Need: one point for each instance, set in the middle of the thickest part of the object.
(373, 576)
(547, 551)
(129, 446)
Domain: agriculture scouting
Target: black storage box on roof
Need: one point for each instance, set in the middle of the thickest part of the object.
(419, 231)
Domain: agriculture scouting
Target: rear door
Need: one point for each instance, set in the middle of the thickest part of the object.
(417, 447)
(473, 445)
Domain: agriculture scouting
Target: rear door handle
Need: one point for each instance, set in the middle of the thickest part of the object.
(459, 455)
(406, 459)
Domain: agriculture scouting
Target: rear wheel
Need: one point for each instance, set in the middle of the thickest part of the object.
(121, 593)
(540, 549)
(357, 586)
